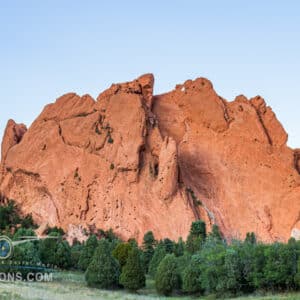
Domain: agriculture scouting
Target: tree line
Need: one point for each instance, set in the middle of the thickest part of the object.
(203, 264)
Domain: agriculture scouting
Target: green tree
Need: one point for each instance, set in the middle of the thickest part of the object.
(48, 248)
(179, 247)
(23, 232)
(212, 269)
(159, 254)
(57, 230)
(182, 262)
(87, 252)
(234, 281)
(168, 244)
(63, 255)
(27, 222)
(167, 277)
(297, 275)
(121, 253)
(281, 266)
(104, 269)
(255, 264)
(132, 276)
(149, 243)
(191, 277)
(196, 236)
(76, 250)
(215, 232)
(9, 215)
(26, 253)
(250, 238)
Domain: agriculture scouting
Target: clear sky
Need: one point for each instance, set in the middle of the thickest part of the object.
(48, 48)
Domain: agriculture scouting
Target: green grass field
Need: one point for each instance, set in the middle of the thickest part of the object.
(71, 286)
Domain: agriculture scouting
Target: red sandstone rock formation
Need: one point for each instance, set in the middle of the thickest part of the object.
(134, 162)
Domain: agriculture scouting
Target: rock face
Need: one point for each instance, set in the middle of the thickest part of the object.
(134, 162)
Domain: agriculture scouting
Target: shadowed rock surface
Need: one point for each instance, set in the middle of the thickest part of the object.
(134, 162)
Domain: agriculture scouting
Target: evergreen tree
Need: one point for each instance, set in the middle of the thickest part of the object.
(280, 268)
(56, 230)
(76, 250)
(196, 236)
(234, 269)
(104, 269)
(167, 277)
(26, 253)
(27, 222)
(250, 238)
(191, 277)
(148, 248)
(23, 232)
(63, 255)
(121, 253)
(297, 275)
(211, 263)
(215, 232)
(133, 277)
(87, 252)
(182, 262)
(9, 215)
(254, 268)
(159, 254)
(48, 248)
(179, 247)
(168, 244)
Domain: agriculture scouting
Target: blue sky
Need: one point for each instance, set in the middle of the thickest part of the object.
(48, 48)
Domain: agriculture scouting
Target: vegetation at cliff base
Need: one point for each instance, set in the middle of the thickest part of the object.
(203, 265)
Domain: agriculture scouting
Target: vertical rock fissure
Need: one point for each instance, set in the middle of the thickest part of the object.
(297, 160)
(263, 125)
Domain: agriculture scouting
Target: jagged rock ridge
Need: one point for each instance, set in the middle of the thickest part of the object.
(134, 162)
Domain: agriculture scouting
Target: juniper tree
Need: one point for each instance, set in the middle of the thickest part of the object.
(103, 270)
(133, 276)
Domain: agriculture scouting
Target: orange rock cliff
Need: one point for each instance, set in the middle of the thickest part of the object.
(134, 162)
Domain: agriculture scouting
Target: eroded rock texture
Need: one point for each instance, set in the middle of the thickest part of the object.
(134, 162)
